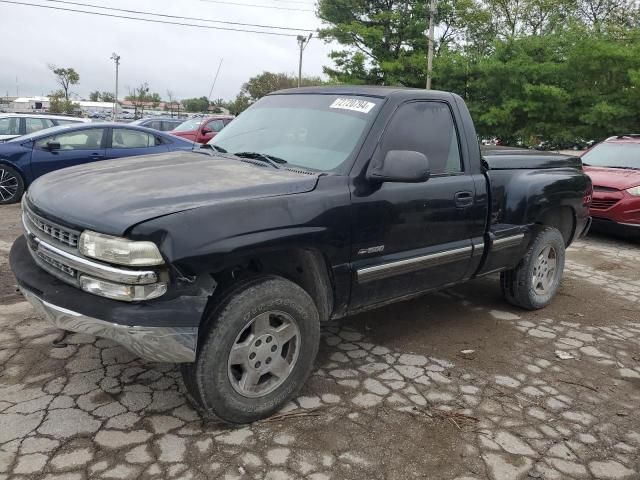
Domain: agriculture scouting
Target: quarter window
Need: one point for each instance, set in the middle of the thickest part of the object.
(425, 127)
(90, 139)
(10, 126)
(37, 124)
(123, 138)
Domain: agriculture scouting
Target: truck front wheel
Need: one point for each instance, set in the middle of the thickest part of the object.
(257, 350)
(535, 281)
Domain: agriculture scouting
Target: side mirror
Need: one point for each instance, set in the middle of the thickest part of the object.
(206, 131)
(402, 166)
(53, 146)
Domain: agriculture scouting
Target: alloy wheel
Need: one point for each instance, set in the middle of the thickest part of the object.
(264, 354)
(8, 185)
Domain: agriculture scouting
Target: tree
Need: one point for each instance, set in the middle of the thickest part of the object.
(529, 70)
(239, 104)
(58, 104)
(94, 96)
(108, 97)
(195, 105)
(65, 78)
(139, 96)
(173, 104)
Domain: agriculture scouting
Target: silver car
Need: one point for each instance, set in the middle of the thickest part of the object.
(13, 125)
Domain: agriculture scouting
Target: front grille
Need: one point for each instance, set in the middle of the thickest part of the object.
(54, 263)
(599, 188)
(602, 204)
(52, 230)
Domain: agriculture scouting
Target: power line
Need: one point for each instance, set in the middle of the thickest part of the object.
(149, 20)
(139, 12)
(224, 2)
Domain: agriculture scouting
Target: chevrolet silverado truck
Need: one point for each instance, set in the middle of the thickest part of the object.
(315, 204)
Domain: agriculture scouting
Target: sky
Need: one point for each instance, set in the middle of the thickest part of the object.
(168, 57)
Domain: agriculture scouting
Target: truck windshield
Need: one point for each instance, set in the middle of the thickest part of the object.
(318, 132)
(614, 155)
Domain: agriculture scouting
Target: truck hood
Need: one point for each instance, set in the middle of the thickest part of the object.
(112, 196)
(618, 178)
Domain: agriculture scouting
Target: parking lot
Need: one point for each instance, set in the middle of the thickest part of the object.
(455, 385)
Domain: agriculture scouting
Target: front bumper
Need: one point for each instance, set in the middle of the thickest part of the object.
(157, 344)
(606, 225)
(163, 330)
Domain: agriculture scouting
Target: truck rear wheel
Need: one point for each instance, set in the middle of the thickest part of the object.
(258, 348)
(535, 281)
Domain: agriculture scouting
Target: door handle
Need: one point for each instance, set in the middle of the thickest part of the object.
(96, 155)
(463, 199)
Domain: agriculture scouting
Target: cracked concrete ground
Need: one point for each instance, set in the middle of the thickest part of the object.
(455, 385)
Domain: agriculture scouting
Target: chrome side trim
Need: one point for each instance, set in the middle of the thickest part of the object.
(119, 275)
(377, 272)
(636, 225)
(507, 242)
(156, 344)
(478, 248)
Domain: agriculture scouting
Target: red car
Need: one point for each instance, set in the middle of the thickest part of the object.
(614, 168)
(201, 130)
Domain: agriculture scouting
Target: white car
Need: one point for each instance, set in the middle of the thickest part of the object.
(13, 125)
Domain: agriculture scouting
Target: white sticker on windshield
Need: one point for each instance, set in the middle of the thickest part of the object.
(354, 104)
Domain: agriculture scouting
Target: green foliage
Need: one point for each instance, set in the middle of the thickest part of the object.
(65, 78)
(58, 104)
(107, 97)
(196, 104)
(94, 96)
(530, 70)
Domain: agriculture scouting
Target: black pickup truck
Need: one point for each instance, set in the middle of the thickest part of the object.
(313, 205)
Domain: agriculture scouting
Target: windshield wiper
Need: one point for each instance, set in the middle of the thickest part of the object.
(272, 160)
(626, 168)
(217, 148)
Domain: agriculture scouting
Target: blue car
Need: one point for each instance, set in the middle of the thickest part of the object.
(28, 157)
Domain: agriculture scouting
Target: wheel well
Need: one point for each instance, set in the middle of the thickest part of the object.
(307, 268)
(562, 219)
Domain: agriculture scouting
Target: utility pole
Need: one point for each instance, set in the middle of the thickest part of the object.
(432, 14)
(302, 42)
(116, 58)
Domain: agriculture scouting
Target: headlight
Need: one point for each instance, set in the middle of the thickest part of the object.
(117, 291)
(635, 191)
(119, 250)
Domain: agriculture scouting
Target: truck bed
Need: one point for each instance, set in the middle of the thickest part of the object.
(507, 158)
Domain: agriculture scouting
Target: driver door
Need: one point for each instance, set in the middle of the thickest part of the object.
(75, 148)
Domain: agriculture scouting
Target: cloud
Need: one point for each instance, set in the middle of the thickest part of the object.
(182, 59)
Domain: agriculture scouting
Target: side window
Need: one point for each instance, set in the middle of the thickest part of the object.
(156, 125)
(90, 139)
(66, 122)
(37, 124)
(425, 127)
(124, 138)
(215, 125)
(10, 126)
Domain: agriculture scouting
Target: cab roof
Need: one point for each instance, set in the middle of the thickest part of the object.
(624, 138)
(368, 91)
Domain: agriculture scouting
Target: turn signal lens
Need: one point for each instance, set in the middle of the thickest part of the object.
(116, 291)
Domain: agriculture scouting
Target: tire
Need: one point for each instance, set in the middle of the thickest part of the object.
(254, 318)
(535, 281)
(11, 185)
